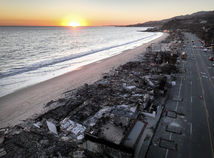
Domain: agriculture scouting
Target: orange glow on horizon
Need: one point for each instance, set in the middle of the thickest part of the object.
(71, 22)
(74, 21)
(74, 24)
(93, 13)
(24, 22)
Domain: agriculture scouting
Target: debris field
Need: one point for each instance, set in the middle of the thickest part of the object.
(112, 117)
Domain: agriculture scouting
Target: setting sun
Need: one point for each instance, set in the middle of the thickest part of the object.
(74, 24)
(74, 21)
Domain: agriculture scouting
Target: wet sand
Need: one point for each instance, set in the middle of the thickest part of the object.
(28, 102)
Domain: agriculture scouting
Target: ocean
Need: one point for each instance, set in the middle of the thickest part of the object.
(30, 55)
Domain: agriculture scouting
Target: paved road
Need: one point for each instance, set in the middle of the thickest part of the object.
(187, 129)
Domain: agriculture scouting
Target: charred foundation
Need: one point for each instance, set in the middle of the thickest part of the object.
(114, 117)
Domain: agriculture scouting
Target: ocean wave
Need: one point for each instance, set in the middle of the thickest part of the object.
(47, 63)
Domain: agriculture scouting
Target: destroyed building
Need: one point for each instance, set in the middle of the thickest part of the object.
(114, 117)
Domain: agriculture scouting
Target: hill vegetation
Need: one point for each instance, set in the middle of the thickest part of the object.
(199, 23)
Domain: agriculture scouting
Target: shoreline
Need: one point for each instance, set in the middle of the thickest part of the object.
(27, 102)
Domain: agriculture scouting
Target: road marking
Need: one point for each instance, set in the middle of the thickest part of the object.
(179, 93)
(190, 130)
(203, 76)
(191, 91)
(206, 110)
(167, 150)
(203, 73)
(207, 72)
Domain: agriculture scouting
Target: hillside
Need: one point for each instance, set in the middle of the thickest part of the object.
(148, 24)
(200, 23)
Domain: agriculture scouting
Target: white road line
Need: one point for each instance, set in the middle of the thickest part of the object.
(170, 135)
(205, 107)
(167, 150)
(179, 94)
(190, 129)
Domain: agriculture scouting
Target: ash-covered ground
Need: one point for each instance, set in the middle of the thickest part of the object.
(106, 111)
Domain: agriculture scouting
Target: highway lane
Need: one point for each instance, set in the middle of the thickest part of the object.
(207, 87)
(201, 138)
(195, 113)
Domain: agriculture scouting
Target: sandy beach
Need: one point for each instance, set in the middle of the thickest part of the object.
(28, 102)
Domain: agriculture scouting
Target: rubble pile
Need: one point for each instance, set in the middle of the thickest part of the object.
(106, 110)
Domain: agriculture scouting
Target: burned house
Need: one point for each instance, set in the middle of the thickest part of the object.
(114, 117)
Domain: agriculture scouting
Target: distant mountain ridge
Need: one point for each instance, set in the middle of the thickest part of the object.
(161, 22)
(201, 23)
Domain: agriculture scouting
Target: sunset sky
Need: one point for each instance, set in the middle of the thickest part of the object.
(95, 12)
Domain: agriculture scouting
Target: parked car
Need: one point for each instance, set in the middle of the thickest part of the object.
(205, 50)
(183, 55)
(211, 58)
